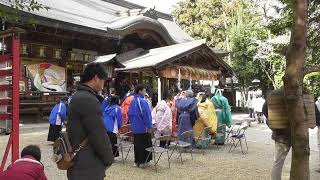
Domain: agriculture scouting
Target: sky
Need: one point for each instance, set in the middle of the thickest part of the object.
(166, 6)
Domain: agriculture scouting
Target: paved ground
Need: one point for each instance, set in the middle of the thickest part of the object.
(214, 164)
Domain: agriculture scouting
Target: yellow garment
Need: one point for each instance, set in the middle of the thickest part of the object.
(208, 118)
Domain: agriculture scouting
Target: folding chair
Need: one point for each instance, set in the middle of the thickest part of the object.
(183, 145)
(204, 137)
(236, 139)
(158, 150)
(122, 145)
(231, 130)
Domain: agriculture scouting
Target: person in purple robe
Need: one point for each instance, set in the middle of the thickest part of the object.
(187, 114)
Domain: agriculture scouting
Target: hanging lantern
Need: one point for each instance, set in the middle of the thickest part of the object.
(57, 54)
(110, 71)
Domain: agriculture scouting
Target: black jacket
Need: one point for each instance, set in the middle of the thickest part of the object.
(85, 120)
(317, 115)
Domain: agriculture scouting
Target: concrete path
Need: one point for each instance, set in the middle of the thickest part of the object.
(214, 164)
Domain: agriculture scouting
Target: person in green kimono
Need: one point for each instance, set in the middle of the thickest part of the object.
(224, 116)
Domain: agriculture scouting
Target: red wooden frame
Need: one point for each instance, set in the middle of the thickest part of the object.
(13, 141)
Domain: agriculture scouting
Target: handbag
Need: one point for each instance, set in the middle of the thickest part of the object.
(63, 154)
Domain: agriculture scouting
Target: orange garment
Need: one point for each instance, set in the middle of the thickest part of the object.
(174, 116)
(124, 111)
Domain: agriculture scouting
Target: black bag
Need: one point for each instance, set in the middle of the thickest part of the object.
(63, 154)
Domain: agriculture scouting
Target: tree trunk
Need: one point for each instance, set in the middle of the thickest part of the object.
(293, 85)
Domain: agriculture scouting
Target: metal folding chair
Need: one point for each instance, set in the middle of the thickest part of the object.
(232, 130)
(179, 145)
(122, 145)
(204, 137)
(236, 139)
(159, 150)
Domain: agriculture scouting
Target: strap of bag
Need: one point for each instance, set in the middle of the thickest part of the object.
(81, 146)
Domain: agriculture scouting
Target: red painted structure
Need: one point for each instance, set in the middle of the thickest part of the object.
(13, 141)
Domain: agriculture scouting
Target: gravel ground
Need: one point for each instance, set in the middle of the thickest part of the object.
(214, 164)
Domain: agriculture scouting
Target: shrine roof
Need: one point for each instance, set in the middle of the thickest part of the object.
(195, 54)
(105, 18)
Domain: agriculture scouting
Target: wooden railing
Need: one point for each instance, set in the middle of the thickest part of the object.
(38, 103)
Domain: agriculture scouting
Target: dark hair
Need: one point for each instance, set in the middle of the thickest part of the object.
(138, 88)
(114, 100)
(167, 96)
(91, 71)
(208, 93)
(203, 98)
(65, 98)
(32, 150)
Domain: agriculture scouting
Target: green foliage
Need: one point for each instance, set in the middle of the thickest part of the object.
(29, 5)
(234, 25)
(312, 83)
(11, 13)
(237, 25)
(284, 24)
(205, 19)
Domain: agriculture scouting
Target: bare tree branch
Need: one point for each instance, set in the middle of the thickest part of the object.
(268, 75)
(308, 70)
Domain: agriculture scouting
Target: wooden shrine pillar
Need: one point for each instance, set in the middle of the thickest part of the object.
(159, 89)
(130, 77)
(140, 77)
(164, 85)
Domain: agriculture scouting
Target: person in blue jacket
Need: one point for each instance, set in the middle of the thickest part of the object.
(106, 101)
(112, 119)
(141, 124)
(57, 116)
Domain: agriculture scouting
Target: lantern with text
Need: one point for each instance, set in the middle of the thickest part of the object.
(110, 71)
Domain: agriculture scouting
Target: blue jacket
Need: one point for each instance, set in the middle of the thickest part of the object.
(111, 116)
(105, 103)
(59, 108)
(139, 114)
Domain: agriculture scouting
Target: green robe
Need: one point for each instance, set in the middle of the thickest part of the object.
(224, 116)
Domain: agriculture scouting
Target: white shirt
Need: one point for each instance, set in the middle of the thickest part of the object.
(249, 103)
(115, 125)
(258, 104)
(58, 119)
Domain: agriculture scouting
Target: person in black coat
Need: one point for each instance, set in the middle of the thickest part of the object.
(282, 139)
(317, 109)
(85, 121)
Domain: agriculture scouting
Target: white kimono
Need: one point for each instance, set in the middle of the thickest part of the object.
(162, 115)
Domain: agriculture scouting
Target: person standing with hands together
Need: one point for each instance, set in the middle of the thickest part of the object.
(139, 114)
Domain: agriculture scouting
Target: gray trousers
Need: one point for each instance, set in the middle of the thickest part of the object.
(281, 151)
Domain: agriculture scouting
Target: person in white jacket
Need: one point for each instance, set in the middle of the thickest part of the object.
(258, 104)
(162, 116)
